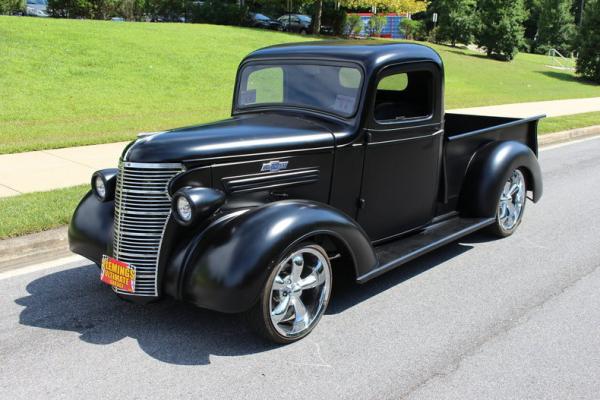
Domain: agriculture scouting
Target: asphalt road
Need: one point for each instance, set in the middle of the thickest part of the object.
(513, 319)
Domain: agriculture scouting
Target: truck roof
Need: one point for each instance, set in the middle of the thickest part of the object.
(372, 55)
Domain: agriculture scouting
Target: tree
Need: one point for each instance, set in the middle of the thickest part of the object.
(376, 24)
(556, 26)
(412, 29)
(456, 20)
(500, 27)
(588, 42)
(11, 6)
(317, 16)
(354, 24)
(410, 6)
(532, 21)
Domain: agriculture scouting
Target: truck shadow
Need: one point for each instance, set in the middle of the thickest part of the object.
(74, 300)
(348, 293)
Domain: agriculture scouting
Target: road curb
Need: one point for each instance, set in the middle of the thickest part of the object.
(568, 136)
(29, 249)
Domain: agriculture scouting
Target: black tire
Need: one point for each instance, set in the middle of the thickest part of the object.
(497, 228)
(259, 316)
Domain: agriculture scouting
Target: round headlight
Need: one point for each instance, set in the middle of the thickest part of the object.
(184, 209)
(100, 187)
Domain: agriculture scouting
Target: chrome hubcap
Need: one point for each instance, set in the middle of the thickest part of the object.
(512, 201)
(300, 291)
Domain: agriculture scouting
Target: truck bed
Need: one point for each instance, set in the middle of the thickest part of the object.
(465, 134)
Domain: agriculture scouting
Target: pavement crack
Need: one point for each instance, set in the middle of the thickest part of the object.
(10, 188)
(502, 328)
(66, 159)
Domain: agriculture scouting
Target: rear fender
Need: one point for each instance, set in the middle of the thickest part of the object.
(489, 170)
(225, 266)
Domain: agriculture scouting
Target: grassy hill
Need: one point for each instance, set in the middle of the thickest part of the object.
(70, 82)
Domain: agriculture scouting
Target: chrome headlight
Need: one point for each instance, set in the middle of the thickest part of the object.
(103, 184)
(100, 187)
(184, 209)
(192, 204)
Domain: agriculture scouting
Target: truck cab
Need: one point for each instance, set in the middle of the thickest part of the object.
(337, 156)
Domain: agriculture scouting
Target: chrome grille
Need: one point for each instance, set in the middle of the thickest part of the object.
(142, 207)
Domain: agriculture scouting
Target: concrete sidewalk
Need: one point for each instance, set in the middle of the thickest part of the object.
(554, 108)
(53, 169)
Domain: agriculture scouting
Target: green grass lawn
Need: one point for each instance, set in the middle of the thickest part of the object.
(70, 82)
(557, 124)
(35, 212)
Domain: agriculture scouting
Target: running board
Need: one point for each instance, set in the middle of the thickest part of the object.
(401, 251)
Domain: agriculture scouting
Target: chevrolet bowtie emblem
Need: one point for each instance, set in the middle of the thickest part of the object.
(274, 166)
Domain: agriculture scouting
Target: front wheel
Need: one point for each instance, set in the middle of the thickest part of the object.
(295, 296)
(511, 205)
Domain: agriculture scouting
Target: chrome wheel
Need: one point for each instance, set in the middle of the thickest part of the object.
(300, 291)
(512, 201)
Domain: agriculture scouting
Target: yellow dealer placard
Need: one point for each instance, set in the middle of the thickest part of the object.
(118, 274)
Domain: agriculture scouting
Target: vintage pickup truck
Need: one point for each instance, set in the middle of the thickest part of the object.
(338, 156)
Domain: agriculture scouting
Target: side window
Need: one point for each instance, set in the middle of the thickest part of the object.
(404, 96)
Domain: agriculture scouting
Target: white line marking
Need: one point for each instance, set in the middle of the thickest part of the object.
(40, 267)
(559, 145)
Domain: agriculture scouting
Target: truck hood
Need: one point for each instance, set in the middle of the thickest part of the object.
(248, 134)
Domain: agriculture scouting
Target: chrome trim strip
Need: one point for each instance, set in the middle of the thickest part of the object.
(258, 154)
(270, 180)
(406, 139)
(403, 128)
(128, 164)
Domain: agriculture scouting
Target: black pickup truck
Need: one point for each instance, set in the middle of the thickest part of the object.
(338, 157)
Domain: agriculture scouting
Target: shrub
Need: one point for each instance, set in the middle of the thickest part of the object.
(376, 24)
(11, 6)
(500, 27)
(131, 9)
(354, 24)
(556, 26)
(220, 13)
(71, 8)
(588, 42)
(412, 30)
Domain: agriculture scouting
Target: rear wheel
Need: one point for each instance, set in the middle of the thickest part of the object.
(295, 296)
(511, 205)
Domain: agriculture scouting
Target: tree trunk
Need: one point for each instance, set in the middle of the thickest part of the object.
(317, 20)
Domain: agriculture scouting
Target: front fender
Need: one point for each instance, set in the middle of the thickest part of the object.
(91, 228)
(225, 266)
(488, 171)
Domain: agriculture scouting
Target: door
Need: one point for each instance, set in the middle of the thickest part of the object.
(403, 151)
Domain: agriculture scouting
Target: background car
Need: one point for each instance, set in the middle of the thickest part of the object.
(258, 20)
(36, 8)
(297, 23)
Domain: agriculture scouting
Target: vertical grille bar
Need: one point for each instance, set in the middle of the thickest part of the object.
(142, 208)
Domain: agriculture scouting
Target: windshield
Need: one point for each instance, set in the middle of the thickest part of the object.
(333, 89)
(261, 17)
